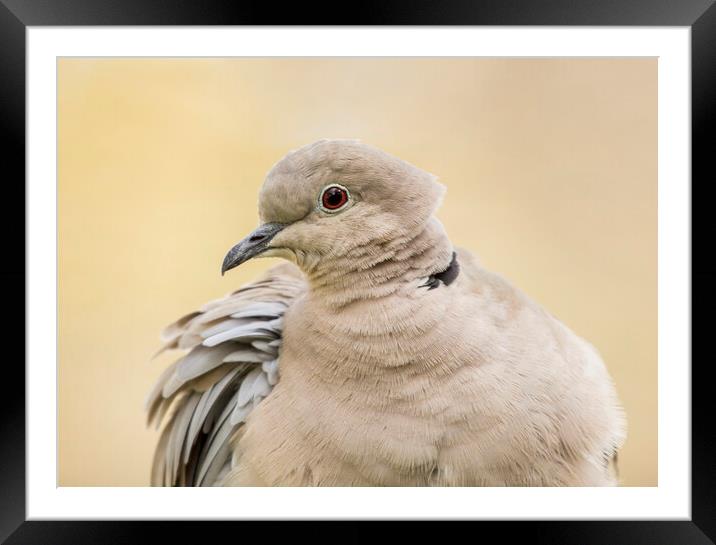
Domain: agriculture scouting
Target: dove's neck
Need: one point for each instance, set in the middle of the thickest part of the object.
(383, 268)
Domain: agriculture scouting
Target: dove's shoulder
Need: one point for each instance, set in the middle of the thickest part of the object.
(231, 364)
(489, 286)
(513, 312)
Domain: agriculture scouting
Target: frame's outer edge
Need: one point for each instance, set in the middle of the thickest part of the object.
(703, 120)
(369, 12)
(534, 533)
(12, 274)
(699, 13)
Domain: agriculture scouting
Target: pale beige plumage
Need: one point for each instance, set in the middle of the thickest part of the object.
(389, 373)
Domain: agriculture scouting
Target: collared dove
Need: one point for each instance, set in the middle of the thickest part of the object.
(379, 356)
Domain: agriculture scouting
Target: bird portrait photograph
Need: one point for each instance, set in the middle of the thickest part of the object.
(357, 272)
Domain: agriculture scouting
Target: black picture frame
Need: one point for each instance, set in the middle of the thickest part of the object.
(16, 15)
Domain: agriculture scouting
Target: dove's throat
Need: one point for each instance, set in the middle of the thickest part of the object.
(382, 268)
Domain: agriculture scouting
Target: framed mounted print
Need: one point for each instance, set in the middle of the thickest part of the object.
(427, 264)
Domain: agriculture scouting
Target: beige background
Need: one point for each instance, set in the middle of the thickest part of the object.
(551, 173)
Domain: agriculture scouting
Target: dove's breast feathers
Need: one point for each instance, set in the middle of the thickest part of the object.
(468, 384)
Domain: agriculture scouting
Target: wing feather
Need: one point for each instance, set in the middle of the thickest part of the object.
(231, 365)
(216, 449)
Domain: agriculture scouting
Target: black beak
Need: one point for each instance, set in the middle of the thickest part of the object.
(254, 244)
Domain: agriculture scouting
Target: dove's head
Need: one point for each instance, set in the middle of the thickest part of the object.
(338, 199)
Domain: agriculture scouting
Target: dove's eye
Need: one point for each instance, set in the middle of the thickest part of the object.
(333, 198)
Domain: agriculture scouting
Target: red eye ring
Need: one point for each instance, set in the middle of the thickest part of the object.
(334, 197)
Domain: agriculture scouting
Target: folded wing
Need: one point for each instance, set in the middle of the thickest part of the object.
(231, 365)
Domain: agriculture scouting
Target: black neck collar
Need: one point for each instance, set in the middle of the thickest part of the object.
(445, 277)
